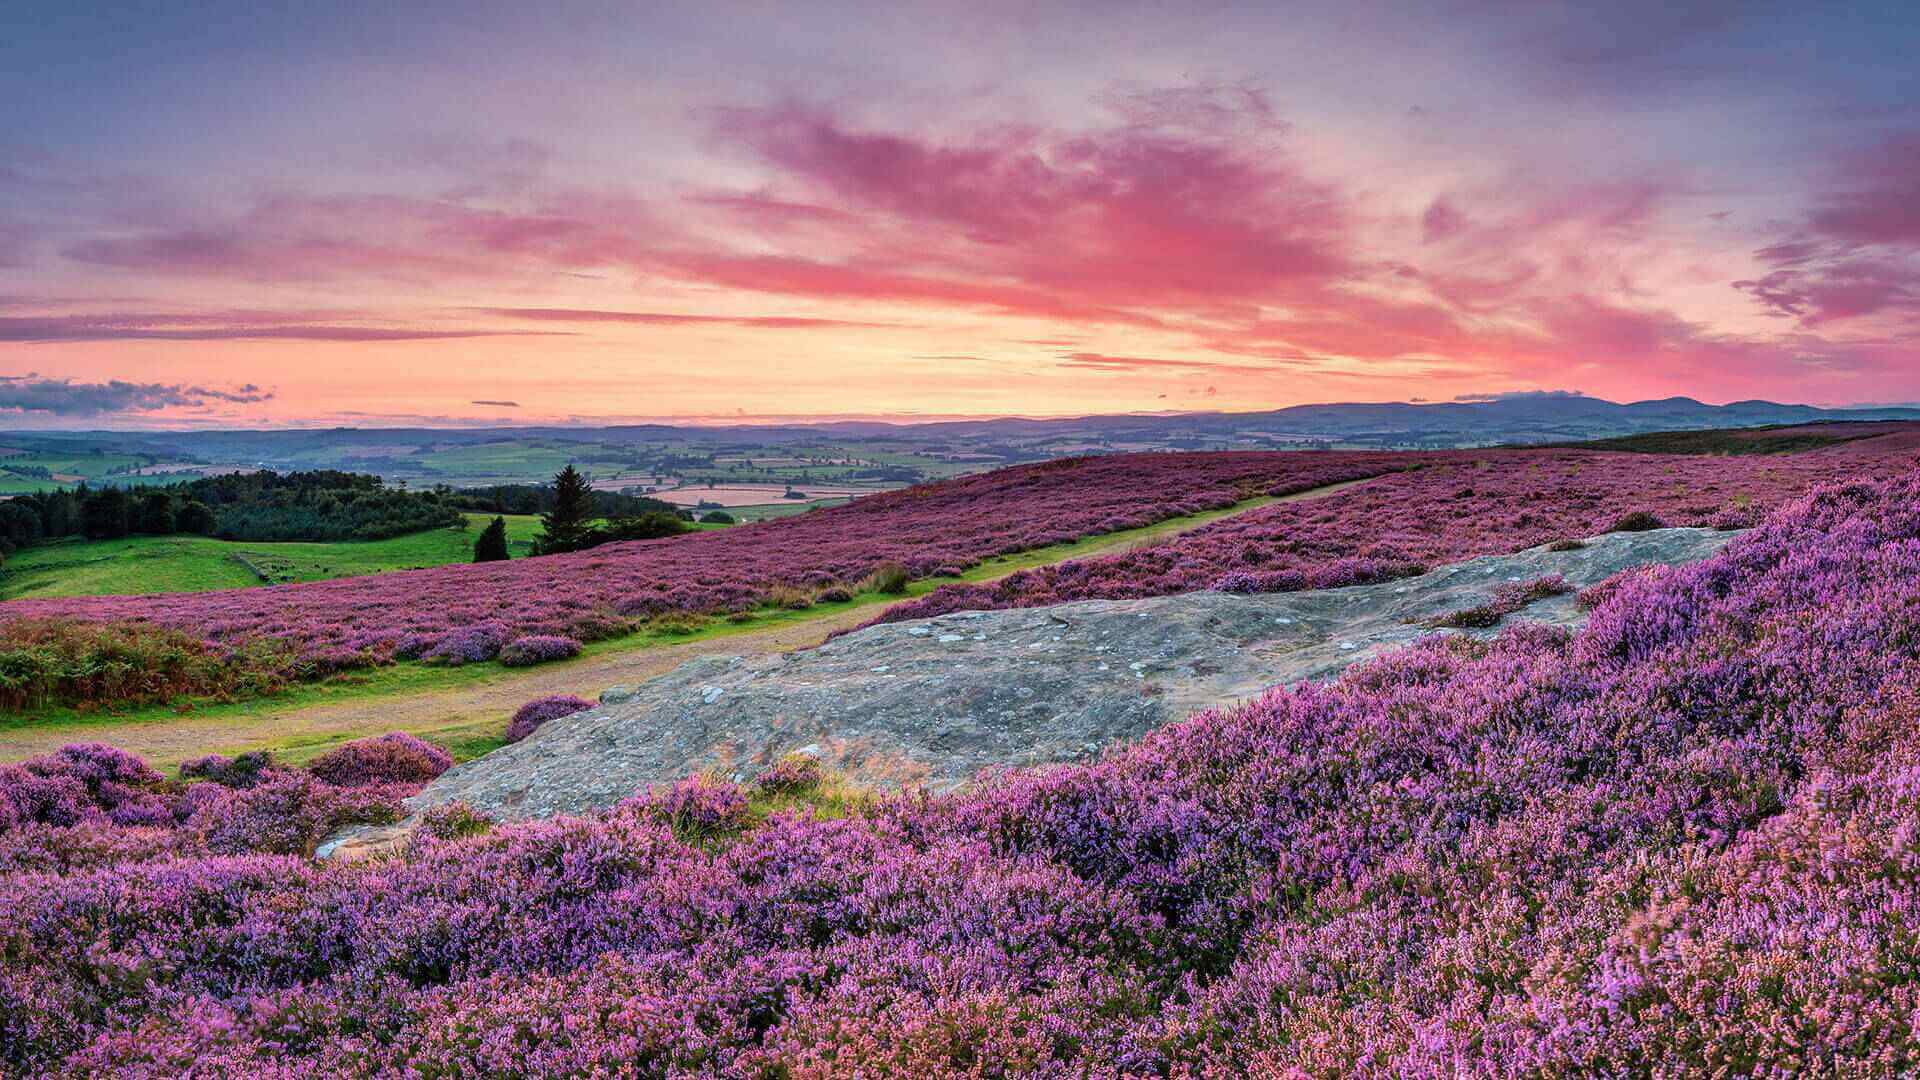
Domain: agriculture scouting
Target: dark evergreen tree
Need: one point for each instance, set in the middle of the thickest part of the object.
(20, 523)
(61, 514)
(491, 546)
(155, 516)
(564, 528)
(106, 514)
(195, 517)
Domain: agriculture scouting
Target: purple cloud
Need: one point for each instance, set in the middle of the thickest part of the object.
(33, 393)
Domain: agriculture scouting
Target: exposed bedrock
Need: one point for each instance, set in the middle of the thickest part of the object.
(932, 702)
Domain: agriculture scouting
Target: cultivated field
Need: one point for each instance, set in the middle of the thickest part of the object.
(735, 495)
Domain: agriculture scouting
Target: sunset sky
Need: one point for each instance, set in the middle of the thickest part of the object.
(260, 213)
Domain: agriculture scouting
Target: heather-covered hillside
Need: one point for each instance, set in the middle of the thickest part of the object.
(1680, 841)
(1457, 507)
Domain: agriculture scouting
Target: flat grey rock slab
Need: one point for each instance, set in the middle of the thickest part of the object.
(930, 703)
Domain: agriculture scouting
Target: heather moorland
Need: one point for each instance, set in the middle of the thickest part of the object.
(1678, 840)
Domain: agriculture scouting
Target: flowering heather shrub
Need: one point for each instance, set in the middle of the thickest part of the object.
(538, 649)
(467, 645)
(87, 806)
(52, 849)
(289, 813)
(1462, 504)
(1601, 591)
(1507, 599)
(1679, 842)
(393, 758)
(528, 718)
(465, 613)
(453, 821)
(791, 775)
(243, 771)
(696, 809)
(79, 782)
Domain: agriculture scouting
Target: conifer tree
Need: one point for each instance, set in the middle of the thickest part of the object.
(564, 528)
(492, 543)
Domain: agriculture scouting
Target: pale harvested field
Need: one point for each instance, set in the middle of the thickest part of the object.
(757, 494)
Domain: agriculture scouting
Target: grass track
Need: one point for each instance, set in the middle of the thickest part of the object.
(466, 708)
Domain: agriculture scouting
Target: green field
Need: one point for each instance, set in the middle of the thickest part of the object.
(151, 564)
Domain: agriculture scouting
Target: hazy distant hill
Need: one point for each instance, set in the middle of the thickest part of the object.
(875, 453)
(1519, 418)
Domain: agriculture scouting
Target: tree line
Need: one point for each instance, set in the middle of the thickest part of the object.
(318, 505)
(541, 499)
(327, 505)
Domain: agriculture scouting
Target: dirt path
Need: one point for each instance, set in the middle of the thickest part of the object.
(457, 713)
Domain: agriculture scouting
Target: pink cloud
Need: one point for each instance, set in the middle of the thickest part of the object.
(791, 276)
(1839, 290)
(225, 326)
(1103, 362)
(1120, 218)
(668, 318)
(1855, 260)
(295, 237)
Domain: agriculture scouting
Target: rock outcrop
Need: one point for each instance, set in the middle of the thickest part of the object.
(930, 703)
